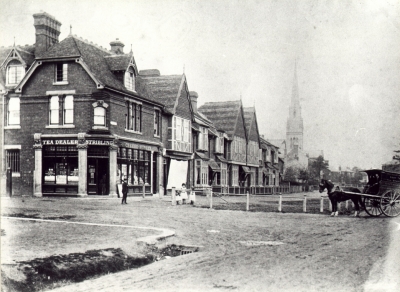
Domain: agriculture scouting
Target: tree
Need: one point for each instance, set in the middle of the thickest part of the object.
(315, 168)
(291, 174)
(303, 175)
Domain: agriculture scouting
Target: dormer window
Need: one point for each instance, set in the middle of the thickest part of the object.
(130, 79)
(15, 72)
(61, 73)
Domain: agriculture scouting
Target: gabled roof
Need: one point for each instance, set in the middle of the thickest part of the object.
(249, 118)
(165, 89)
(94, 59)
(120, 62)
(224, 115)
(265, 144)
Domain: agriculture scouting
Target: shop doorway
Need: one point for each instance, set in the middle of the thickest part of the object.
(98, 176)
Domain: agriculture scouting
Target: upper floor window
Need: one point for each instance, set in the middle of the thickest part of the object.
(99, 116)
(61, 110)
(13, 111)
(15, 72)
(157, 122)
(130, 79)
(61, 73)
(181, 134)
(134, 117)
(203, 138)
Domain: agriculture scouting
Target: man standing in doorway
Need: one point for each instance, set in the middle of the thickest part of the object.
(124, 191)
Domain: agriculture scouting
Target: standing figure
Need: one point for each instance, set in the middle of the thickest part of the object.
(184, 195)
(124, 191)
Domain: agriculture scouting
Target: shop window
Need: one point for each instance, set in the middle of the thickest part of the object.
(201, 173)
(235, 175)
(157, 122)
(60, 165)
(61, 73)
(13, 160)
(134, 166)
(61, 110)
(134, 117)
(13, 111)
(15, 72)
(130, 79)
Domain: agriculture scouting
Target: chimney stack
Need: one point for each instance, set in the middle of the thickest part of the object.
(117, 47)
(47, 30)
(193, 97)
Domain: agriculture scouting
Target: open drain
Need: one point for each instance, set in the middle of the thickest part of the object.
(45, 273)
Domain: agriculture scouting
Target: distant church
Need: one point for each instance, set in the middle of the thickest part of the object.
(295, 154)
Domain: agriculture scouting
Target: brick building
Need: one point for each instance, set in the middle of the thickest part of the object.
(76, 119)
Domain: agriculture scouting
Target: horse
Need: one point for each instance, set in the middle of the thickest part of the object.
(337, 195)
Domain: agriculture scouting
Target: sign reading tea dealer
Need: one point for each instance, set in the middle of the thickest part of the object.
(75, 142)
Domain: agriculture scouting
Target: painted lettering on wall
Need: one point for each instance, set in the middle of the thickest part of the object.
(75, 142)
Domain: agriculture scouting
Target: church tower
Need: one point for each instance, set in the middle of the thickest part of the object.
(294, 126)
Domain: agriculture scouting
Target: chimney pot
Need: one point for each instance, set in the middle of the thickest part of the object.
(117, 47)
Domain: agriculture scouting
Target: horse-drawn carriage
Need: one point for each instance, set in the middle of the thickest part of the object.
(380, 196)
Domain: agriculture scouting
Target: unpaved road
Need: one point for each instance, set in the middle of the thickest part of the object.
(319, 253)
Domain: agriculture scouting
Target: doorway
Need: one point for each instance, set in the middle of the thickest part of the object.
(98, 176)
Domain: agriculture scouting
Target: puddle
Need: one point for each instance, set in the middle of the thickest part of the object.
(54, 271)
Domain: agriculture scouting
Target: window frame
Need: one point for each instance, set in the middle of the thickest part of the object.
(17, 75)
(16, 170)
(133, 117)
(60, 73)
(130, 79)
(157, 123)
(61, 115)
(9, 112)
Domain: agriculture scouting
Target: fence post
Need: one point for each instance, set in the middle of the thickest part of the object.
(305, 204)
(144, 191)
(289, 188)
(247, 201)
(280, 203)
(211, 198)
(173, 201)
(347, 205)
(321, 209)
(330, 206)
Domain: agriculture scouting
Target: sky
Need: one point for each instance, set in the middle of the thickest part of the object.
(347, 52)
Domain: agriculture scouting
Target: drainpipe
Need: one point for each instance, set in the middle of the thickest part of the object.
(2, 143)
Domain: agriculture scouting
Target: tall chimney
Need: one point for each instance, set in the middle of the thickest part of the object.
(193, 97)
(117, 47)
(47, 31)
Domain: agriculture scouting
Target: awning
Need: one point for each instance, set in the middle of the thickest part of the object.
(214, 166)
(177, 173)
(246, 169)
(213, 132)
(202, 156)
(221, 159)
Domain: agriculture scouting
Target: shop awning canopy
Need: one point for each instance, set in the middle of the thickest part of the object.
(221, 159)
(214, 166)
(246, 169)
(202, 156)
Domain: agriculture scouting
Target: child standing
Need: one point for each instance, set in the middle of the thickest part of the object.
(184, 195)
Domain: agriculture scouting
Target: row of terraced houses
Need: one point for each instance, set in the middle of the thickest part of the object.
(77, 118)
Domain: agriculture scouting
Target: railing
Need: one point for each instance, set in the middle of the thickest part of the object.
(263, 190)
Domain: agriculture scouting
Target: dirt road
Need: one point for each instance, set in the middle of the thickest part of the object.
(319, 253)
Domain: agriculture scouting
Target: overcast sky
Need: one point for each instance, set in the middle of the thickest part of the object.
(348, 59)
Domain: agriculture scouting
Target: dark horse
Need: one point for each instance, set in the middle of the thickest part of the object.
(337, 195)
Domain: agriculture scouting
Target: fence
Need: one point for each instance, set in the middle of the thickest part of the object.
(299, 203)
(264, 190)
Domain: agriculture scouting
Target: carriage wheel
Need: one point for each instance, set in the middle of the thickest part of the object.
(390, 203)
(372, 206)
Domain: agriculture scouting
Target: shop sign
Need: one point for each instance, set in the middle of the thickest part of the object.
(75, 142)
(139, 146)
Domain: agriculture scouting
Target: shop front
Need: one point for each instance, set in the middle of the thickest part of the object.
(138, 164)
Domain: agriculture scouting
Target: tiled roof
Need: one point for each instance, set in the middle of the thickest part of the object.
(163, 89)
(248, 117)
(94, 56)
(223, 114)
(118, 62)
